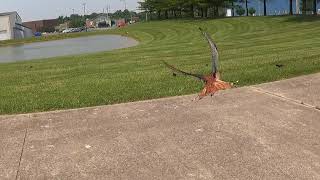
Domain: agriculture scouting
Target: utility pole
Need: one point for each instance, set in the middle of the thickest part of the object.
(107, 11)
(84, 15)
(125, 4)
(84, 9)
(72, 10)
(108, 7)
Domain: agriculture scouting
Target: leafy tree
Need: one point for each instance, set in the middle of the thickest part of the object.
(304, 6)
(246, 5)
(240, 10)
(76, 21)
(252, 11)
(175, 8)
(61, 19)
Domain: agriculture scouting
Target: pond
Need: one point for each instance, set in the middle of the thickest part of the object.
(64, 47)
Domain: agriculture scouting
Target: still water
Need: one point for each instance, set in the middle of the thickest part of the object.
(64, 47)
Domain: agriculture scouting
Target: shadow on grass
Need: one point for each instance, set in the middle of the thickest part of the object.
(303, 18)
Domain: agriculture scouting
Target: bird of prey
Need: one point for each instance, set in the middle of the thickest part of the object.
(212, 82)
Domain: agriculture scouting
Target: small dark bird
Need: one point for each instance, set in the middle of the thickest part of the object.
(174, 74)
(212, 82)
(279, 65)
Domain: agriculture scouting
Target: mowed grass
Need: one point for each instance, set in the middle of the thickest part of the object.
(249, 48)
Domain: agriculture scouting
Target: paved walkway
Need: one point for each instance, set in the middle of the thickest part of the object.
(269, 131)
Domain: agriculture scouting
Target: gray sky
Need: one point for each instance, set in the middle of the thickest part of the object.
(46, 9)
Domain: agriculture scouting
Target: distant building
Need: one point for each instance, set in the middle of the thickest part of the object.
(11, 27)
(102, 21)
(229, 13)
(121, 22)
(90, 23)
(42, 25)
(135, 19)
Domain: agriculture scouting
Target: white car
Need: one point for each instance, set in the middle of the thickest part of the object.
(67, 31)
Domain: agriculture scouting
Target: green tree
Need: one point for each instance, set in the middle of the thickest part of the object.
(240, 10)
(175, 8)
(76, 21)
(61, 19)
(252, 11)
(246, 6)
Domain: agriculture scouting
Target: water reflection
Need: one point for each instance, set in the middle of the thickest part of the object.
(64, 47)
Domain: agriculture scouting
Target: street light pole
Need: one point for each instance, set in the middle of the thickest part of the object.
(84, 15)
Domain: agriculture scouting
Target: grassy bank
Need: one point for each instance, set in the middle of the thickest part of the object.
(250, 49)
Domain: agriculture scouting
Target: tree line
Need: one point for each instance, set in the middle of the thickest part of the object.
(77, 20)
(165, 9)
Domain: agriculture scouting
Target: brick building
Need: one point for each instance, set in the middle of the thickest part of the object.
(42, 25)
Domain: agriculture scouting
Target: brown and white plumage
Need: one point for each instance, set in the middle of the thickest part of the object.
(212, 81)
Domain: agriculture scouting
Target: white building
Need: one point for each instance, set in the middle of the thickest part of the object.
(11, 27)
(102, 21)
(229, 13)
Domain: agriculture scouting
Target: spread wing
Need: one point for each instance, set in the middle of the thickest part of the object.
(200, 77)
(214, 51)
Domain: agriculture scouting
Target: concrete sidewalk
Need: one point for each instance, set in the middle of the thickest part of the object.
(269, 131)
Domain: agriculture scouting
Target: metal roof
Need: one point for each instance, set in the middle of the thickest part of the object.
(8, 13)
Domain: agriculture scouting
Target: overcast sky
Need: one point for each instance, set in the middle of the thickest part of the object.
(46, 9)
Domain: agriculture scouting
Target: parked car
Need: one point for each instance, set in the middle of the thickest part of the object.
(77, 29)
(73, 30)
(37, 34)
(67, 31)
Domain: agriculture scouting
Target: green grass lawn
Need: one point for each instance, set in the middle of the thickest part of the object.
(249, 50)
